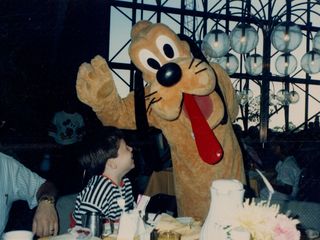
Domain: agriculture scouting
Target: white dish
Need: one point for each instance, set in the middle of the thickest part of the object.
(18, 235)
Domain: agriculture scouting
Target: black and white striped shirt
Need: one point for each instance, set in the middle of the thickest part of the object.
(101, 195)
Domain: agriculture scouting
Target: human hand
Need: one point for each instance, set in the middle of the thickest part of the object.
(45, 220)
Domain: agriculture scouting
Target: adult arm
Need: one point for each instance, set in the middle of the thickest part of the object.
(45, 221)
(20, 183)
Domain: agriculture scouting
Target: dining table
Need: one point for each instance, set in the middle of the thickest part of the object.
(68, 236)
(163, 182)
(186, 228)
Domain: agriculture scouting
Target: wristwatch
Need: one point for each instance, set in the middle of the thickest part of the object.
(49, 199)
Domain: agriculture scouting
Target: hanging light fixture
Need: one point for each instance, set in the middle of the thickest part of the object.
(253, 64)
(229, 63)
(215, 44)
(286, 64)
(283, 97)
(310, 62)
(316, 42)
(286, 37)
(293, 97)
(243, 38)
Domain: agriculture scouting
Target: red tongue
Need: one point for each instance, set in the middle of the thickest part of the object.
(208, 145)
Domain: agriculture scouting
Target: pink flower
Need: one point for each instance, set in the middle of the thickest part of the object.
(285, 228)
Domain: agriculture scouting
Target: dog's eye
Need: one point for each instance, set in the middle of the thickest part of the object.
(153, 63)
(168, 51)
(149, 60)
(167, 47)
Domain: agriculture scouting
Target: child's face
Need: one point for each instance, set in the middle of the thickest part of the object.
(124, 160)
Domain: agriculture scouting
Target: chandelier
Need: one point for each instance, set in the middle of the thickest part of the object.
(243, 39)
(261, 41)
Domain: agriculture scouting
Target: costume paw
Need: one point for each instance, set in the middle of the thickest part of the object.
(94, 83)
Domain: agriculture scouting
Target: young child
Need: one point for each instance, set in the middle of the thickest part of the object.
(108, 159)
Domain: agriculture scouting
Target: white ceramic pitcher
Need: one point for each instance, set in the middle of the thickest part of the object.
(226, 198)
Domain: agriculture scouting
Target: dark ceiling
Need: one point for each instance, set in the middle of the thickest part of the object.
(42, 44)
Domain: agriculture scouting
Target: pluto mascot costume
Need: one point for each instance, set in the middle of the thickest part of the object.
(192, 102)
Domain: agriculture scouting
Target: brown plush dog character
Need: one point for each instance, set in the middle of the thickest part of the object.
(174, 77)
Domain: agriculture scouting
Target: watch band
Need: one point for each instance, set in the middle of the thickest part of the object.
(49, 199)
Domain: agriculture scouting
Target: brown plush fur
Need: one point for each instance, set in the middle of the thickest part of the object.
(193, 177)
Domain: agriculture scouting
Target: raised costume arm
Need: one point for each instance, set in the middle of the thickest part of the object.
(96, 88)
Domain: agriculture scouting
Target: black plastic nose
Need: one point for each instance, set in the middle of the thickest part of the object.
(169, 74)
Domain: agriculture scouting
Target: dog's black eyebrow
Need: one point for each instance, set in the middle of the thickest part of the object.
(191, 63)
(199, 63)
(203, 69)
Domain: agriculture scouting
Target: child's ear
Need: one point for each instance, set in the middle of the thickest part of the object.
(111, 163)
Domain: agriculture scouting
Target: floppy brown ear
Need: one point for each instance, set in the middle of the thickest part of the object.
(227, 90)
(138, 27)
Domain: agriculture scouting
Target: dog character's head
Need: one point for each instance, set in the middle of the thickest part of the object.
(168, 67)
(173, 74)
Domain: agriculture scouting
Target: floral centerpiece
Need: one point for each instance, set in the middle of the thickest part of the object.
(264, 222)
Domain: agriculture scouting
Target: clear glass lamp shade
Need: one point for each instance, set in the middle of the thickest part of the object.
(294, 97)
(286, 64)
(229, 63)
(283, 96)
(215, 44)
(253, 64)
(316, 42)
(243, 38)
(286, 37)
(310, 62)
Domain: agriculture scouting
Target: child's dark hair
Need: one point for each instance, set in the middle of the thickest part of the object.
(98, 148)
